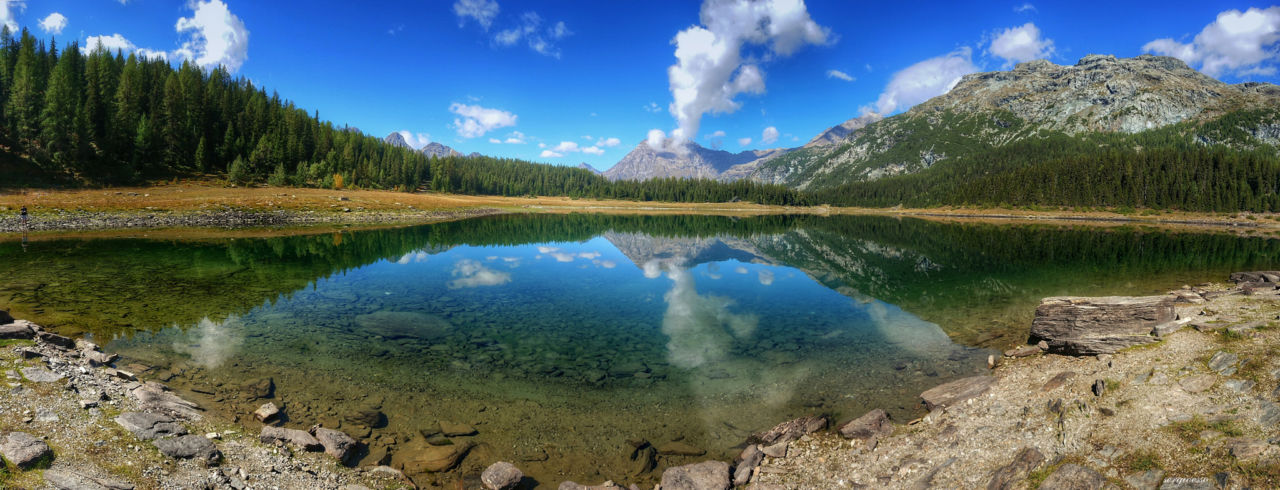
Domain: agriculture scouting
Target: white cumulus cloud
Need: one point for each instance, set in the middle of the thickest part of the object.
(1239, 43)
(113, 43)
(474, 121)
(770, 135)
(925, 80)
(653, 107)
(592, 150)
(530, 30)
(744, 141)
(1024, 8)
(550, 154)
(565, 147)
(482, 11)
(53, 23)
(213, 36)
(711, 71)
(609, 142)
(10, 9)
(656, 139)
(1022, 43)
(840, 75)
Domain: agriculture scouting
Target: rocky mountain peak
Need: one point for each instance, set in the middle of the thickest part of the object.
(396, 140)
(839, 132)
(434, 149)
(686, 160)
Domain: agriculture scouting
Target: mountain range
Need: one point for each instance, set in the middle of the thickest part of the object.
(1099, 98)
(432, 149)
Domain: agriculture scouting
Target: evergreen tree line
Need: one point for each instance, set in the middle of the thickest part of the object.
(1212, 167)
(92, 116)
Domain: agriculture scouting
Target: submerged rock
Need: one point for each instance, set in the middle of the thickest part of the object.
(1100, 325)
(23, 450)
(678, 448)
(570, 485)
(153, 396)
(266, 413)
(790, 430)
(501, 476)
(707, 475)
(297, 438)
(336, 443)
(450, 429)
(404, 324)
(430, 459)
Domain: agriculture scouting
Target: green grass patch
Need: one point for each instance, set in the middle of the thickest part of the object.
(1259, 474)
(1142, 460)
(16, 342)
(1190, 430)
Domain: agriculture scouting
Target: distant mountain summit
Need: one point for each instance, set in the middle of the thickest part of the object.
(431, 149)
(586, 166)
(396, 140)
(687, 160)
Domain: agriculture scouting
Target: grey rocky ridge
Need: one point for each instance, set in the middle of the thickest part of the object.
(1098, 95)
(432, 149)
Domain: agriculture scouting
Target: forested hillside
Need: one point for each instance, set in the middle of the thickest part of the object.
(93, 117)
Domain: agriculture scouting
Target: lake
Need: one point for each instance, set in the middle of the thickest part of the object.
(562, 340)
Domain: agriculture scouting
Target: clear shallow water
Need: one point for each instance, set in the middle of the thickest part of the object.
(560, 338)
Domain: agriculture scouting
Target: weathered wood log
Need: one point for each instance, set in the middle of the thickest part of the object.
(1101, 325)
(957, 391)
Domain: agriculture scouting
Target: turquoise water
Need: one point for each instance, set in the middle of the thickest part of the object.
(562, 338)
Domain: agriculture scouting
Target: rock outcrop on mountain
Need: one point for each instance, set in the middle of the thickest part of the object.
(837, 133)
(687, 160)
(1099, 94)
(434, 149)
(396, 140)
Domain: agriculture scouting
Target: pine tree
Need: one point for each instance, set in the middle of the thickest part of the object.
(26, 97)
(59, 117)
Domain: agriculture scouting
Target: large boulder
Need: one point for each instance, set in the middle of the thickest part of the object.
(957, 391)
(23, 450)
(1010, 475)
(148, 426)
(297, 438)
(424, 458)
(336, 443)
(873, 424)
(56, 340)
(16, 331)
(192, 446)
(1101, 325)
(707, 475)
(154, 396)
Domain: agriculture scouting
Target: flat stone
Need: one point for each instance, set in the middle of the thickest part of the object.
(707, 475)
(154, 397)
(1057, 381)
(1244, 448)
(259, 388)
(956, 391)
(1008, 476)
(678, 448)
(450, 429)
(1240, 385)
(501, 476)
(570, 485)
(148, 426)
(1224, 363)
(433, 459)
(778, 450)
(267, 412)
(45, 415)
(336, 443)
(40, 375)
(1255, 276)
(789, 430)
(1147, 480)
(1196, 384)
(297, 438)
(16, 331)
(68, 480)
(368, 417)
(98, 359)
(751, 457)
(1024, 351)
(872, 424)
(57, 340)
(23, 450)
(1269, 416)
(192, 446)
(1075, 477)
(1188, 484)
(1099, 325)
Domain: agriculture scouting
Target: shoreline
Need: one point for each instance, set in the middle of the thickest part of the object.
(1200, 433)
(206, 205)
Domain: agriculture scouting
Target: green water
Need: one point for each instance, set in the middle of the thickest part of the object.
(560, 338)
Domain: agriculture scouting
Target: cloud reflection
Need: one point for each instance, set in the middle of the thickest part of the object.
(700, 329)
(211, 342)
(470, 274)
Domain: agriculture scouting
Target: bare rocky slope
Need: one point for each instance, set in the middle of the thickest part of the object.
(688, 160)
(432, 149)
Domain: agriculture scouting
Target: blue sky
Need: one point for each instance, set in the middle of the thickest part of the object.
(569, 82)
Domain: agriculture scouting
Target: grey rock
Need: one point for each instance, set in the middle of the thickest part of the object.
(1057, 381)
(1224, 363)
(569, 485)
(148, 426)
(679, 448)
(501, 476)
(707, 475)
(336, 443)
(1255, 276)
(778, 450)
(154, 397)
(40, 375)
(16, 331)
(1188, 484)
(1196, 384)
(434, 149)
(57, 340)
(98, 359)
(1244, 448)
(1099, 387)
(1147, 480)
(192, 446)
(750, 458)
(1239, 385)
(957, 391)
(46, 415)
(1024, 351)
(687, 160)
(23, 450)
(1075, 477)
(267, 412)
(790, 430)
(1099, 325)
(297, 438)
(1008, 476)
(68, 480)
(872, 424)
(1269, 414)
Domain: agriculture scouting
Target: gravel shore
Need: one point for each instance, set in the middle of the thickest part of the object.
(60, 220)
